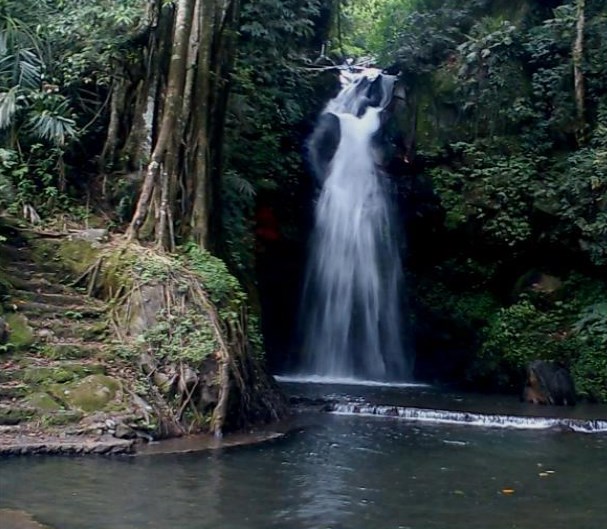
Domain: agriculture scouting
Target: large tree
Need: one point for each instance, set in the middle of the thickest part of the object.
(187, 96)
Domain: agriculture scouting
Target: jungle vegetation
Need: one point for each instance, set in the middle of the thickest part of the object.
(177, 121)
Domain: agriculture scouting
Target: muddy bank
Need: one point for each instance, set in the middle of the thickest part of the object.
(16, 442)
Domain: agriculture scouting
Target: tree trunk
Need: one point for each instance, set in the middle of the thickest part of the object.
(172, 108)
(216, 52)
(117, 99)
(185, 162)
(578, 57)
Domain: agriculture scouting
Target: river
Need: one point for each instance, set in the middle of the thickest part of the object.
(335, 471)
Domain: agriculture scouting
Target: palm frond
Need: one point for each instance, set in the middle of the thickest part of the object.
(30, 69)
(23, 68)
(8, 158)
(18, 30)
(51, 127)
(3, 44)
(239, 184)
(49, 117)
(9, 105)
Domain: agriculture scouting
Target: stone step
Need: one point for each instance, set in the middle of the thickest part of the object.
(75, 311)
(27, 269)
(14, 414)
(16, 253)
(41, 369)
(27, 266)
(13, 390)
(38, 283)
(61, 329)
(52, 298)
(65, 350)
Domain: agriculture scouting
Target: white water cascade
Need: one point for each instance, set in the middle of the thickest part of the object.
(352, 319)
(432, 416)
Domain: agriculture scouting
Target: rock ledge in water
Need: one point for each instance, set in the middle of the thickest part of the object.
(549, 383)
(18, 444)
(12, 519)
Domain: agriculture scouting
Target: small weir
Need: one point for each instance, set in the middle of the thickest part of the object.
(426, 415)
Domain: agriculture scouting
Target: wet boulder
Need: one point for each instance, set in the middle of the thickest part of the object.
(549, 383)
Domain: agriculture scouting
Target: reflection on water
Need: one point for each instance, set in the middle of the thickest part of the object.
(343, 473)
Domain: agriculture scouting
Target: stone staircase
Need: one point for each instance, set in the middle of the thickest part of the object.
(58, 338)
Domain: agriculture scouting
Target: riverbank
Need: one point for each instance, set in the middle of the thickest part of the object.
(20, 442)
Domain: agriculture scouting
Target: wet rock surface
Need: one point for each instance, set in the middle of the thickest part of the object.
(19, 442)
(549, 383)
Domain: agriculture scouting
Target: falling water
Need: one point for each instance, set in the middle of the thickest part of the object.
(352, 317)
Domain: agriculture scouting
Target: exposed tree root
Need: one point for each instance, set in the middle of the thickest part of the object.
(196, 357)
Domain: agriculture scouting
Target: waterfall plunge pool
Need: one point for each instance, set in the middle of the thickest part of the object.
(336, 472)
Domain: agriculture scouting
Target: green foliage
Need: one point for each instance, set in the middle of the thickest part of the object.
(590, 369)
(56, 58)
(280, 23)
(520, 175)
(273, 92)
(223, 288)
(368, 23)
(26, 106)
(152, 270)
(33, 178)
(226, 293)
(89, 39)
(492, 192)
(180, 338)
(521, 333)
(575, 187)
(469, 309)
(571, 331)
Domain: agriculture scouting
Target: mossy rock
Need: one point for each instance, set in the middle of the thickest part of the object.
(62, 417)
(94, 332)
(60, 374)
(73, 255)
(69, 351)
(42, 401)
(93, 393)
(21, 335)
(77, 254)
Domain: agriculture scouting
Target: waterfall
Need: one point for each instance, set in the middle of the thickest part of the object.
(352, 320)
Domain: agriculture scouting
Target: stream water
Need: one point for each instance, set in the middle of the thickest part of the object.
(338, 471)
